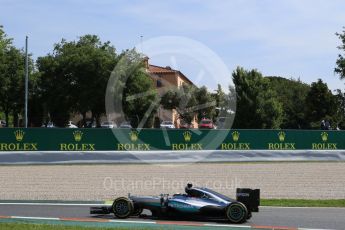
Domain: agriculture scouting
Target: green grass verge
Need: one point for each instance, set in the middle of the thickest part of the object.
(302, 203)
(20, 226)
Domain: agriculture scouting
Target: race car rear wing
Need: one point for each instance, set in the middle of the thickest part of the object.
(249, 197)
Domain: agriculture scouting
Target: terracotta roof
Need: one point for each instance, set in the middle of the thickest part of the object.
(159, 69)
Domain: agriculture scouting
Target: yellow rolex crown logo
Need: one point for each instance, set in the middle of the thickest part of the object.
(281, 136)
(78, 135)
(187, 136)
(133, 135)
(324, 136)
(235, 136)
(19, 134)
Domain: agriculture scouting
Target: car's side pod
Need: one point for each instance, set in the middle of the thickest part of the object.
(249, 197)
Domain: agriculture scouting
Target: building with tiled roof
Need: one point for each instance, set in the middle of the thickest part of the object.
(165, 78)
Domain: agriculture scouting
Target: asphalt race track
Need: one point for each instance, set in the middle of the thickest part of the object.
(311, 218)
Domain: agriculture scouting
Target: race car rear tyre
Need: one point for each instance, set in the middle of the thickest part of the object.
(236, 212)
(122, 207)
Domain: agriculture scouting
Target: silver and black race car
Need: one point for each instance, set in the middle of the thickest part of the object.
(196, 202)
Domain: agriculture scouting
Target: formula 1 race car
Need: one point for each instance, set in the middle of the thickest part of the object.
(196, 202)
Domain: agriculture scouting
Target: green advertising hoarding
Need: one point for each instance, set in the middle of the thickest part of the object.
(44, 139)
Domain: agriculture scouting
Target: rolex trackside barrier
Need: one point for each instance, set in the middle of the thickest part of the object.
(61, 146)
(90, 140)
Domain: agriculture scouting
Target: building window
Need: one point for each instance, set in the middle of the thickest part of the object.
(159, 83)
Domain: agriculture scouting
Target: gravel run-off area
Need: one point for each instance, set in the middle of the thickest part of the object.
(308, 180)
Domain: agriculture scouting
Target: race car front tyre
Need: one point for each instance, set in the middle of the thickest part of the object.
(236, 212)
(122, 207)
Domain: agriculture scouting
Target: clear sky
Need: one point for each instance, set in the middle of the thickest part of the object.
(289, 38)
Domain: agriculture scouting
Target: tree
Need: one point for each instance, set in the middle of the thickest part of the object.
(55, 88)
(142, 107)
(257, 106)
(183, 100)
(5, 42)
(221, 98)
(246, 92)
(93, 62)
(320, 104)
(340, 68)
(75, 77)
(35, 109)
(339, 116)
(224, 105)
(132, 91)
(5, 45)
(206, 104)
(270, 110)
(12, 82)
(291, 94)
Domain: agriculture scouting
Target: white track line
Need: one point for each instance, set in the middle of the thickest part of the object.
(34, 218)
(133, 221)
(227, 225)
